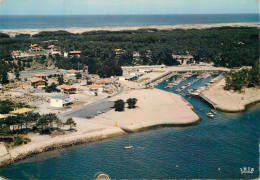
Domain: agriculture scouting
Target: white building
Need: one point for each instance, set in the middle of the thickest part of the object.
(94, 88)
(59, 100)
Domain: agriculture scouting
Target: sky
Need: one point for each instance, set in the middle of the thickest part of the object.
(114, 7)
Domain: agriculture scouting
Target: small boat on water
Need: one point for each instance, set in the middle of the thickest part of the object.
(129, 146)
(214, 111)
(211, 115)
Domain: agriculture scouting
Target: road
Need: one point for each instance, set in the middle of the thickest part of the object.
(102, 105)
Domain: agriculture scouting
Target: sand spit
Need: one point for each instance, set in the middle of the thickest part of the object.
(24, 151)
(156, 108)
(230, 101)
(13, 32)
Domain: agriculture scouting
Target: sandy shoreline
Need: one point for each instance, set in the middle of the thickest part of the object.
(229, 101)
(174, 111)
(31, 31)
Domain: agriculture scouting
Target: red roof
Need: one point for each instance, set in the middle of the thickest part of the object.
(94, 86)
(101, 82)
(75, 52)
(34, 45)
(37, 80)
(66, 87)
(72, 71)
(50, 46)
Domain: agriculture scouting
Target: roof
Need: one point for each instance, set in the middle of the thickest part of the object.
(36, 80)
(66, 87)
(50, 46)
(40, 75)
(72, 71)
(101, 82)
(75, 52)
(21, 111)
(34, 45)
(16, 51)
(94, 86)
(62, 97)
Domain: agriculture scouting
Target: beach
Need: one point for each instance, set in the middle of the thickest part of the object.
(174, 111)
(13, 32)
(231, 101)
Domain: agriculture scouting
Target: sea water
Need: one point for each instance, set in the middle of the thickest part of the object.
(65, 21)
(215, 148)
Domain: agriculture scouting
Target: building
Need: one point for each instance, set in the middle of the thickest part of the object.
(59, 100)
(35, 48)
(72, 71)
(102, 82)
(38, 82)
(136, 56)
(72, 54)
(21, 111)
(95, 88)
(16, 54)
(119, 51)
(68, 89)
(41, 75)
(52, 50)
(183, 59)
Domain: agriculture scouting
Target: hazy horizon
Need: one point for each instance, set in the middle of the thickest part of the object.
(127, 7)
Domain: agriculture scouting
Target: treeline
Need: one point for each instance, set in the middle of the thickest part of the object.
(34, 122)
(225, 46)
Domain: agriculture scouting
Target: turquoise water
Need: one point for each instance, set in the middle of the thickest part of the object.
(22, 22)
(228, 142)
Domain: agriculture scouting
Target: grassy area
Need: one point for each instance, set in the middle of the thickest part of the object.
(144, 79)
(158, 71)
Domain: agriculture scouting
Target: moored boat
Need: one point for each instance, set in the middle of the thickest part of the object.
(211, 115)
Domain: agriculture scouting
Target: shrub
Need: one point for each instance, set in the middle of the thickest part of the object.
(119, 105)
(131, 103)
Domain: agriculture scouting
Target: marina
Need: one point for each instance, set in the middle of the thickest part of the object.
(176, 150)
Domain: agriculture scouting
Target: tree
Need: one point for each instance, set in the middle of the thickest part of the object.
(119, 105)
(78, 75)
(131, 103)
(60, 80)
(70, 122)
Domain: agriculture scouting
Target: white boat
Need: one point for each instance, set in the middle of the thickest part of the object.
(211, 115)
(129, 146)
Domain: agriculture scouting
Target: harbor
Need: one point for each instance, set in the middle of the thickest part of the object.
(171, 156)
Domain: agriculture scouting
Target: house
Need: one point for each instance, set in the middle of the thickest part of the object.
(72, 71)
(41, 75)
(35, 48)
(68, 89)
(59, 100)
(72, 54)
(95, 88)
(52, 50)
(16, 54)
(71, 74)
(38, 82)
(119, 51)
(102, 82)
(183, 59)
(21, 111)
(136, 56)
(11, 77)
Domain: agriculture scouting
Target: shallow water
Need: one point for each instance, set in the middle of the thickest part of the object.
(214, 148)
